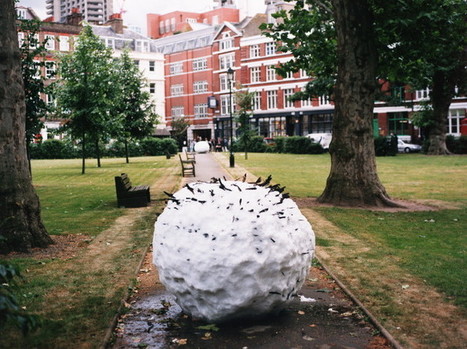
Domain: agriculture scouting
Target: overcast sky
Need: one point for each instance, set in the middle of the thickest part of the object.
(136, 10)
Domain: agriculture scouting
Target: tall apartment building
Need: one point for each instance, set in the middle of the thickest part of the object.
(94, 11)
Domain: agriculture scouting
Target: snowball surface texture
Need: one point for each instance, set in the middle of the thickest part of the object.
(231, 249)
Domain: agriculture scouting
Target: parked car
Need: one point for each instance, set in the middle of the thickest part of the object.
(403, 147)
(321, 138)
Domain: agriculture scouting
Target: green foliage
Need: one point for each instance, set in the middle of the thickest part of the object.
(134, 104)
(179, 127)
(32, 60)
(457, 145)
(308, 33)
(10, 310)
(302, 145)
(57, 149)
(255, 144)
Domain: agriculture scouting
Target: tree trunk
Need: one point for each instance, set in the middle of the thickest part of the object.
(126, 151)
(353, 179)
(441, 96)
(21, 226)
(98, 153)
(83, 151)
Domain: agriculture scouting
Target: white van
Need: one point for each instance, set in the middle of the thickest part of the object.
(322, 138)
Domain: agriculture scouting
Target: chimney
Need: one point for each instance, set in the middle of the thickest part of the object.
(75, 17)
(116, 22)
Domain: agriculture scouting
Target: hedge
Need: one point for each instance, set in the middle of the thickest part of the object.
(57, 149)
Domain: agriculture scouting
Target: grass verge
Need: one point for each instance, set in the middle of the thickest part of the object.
(78, 294)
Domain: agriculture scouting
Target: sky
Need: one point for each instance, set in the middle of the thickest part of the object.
(136, 10)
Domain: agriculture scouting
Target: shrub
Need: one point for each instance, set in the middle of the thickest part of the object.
(456, 145)
(280, 144)
(302, 145)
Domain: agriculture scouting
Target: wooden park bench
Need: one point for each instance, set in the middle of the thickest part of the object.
(130, 196)
(188, 166)
(190, 156)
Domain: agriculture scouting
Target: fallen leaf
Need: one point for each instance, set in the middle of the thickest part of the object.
(308, 338)
(300, 312)
(210, 327)
(312, 325)
(404, 287)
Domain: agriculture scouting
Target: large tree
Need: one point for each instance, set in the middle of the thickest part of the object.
(87, 92)
(334, 41)
(134, 103)
(21, 226)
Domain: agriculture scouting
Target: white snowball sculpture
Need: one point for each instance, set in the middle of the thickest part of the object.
(201, 147)
(231, 249)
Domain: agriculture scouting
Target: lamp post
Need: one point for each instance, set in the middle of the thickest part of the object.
(230, 73)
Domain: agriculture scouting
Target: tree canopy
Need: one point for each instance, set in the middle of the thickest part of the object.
(87, 91)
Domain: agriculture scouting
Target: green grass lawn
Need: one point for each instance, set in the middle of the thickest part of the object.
(431, 245)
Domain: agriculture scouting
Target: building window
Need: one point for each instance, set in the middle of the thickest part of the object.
(257, 101)
(255, 74)
(49, 70)
(161, 27)
(422, 94)
(152, 88)
(225, 105)
(272, 99)
(152, 66)
(227, 42)
(200, 86)
(172, 24)
(110, 43)
(287, 95)
(399, 123)
(176, 68)
(303, 73)
(20, 39)
(226, 61)
(201, 110)
(50, 100)
(64, 43)
(320, 123)
(200, 64)
(34, 41)
(21, 13)
(270, 73)
(254, 51)
(136, 62)
(224, 82)
(324, 100)
(453, 122)
(306, 102)
(176, 90)
(178, 111)
(270, 48)
(167, 25)
(50, 42)
(142, 45)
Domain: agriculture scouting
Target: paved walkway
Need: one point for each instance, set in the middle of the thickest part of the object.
(206, 168)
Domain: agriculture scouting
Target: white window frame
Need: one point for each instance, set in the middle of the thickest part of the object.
(255, 51)
(255, 74)
(152, 66)
(178, 111)
(64, 43)
(225, 105)
(257, 101)
(50, 69)
(270, 73)
(226, 43)
(176, 90)
(201, 110)
(226, 61)
(200, 86)
(324, 100)
(200, 64)
(272, 99)
(20, 39)
(454, 121)
(288, 92)
(422, 95)
(176, 68)
(49, 42)
(270, 48)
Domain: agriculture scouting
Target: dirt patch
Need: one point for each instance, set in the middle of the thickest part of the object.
(405, 205)
(64, 247)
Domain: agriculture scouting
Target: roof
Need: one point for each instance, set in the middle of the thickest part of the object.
(107, 31)
(185, 41)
